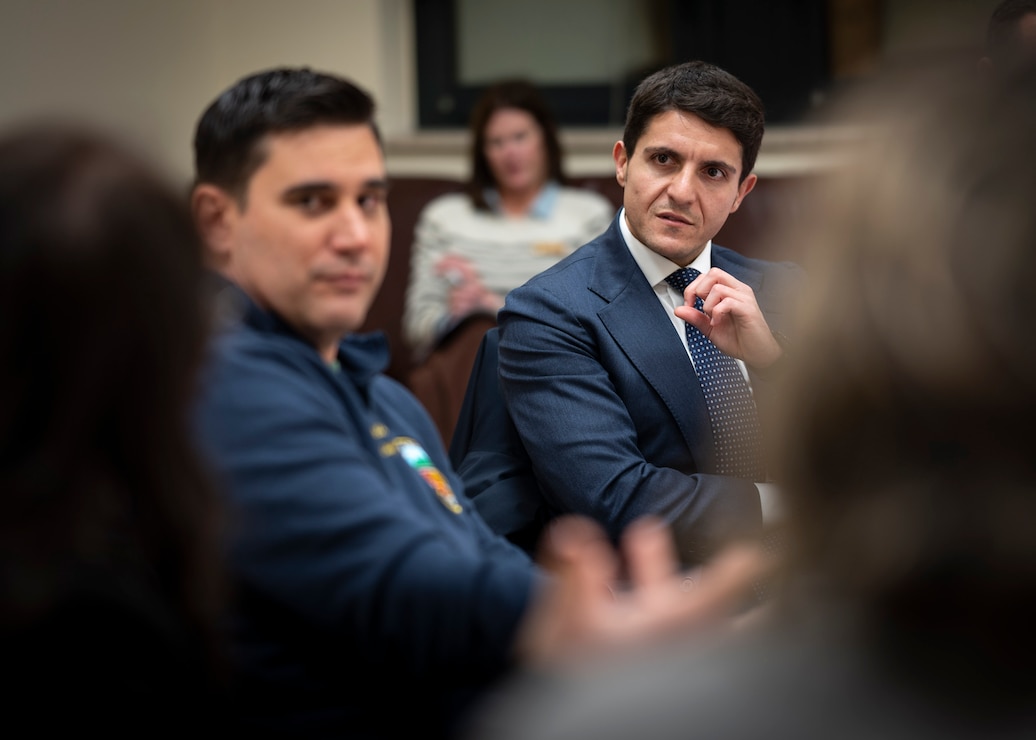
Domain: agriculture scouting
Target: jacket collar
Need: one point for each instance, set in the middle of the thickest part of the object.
(360, 356)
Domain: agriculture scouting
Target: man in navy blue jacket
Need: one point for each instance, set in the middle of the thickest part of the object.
(357, 561)
(363, 578)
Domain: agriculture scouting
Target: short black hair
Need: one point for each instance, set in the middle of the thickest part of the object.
(229, 138)
(702, 89)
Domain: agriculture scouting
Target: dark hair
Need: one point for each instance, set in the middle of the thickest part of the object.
(102, 327)
(517, 94)
(705, 90)
(910, 471)
(229, 138)
(1003, 44)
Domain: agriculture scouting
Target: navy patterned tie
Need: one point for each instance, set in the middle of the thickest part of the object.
(732, 411)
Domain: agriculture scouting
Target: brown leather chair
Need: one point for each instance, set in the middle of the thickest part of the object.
(441, 381)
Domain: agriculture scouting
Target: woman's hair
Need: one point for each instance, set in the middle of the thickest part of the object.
(509, 94)
(102, 326)
(909, 441)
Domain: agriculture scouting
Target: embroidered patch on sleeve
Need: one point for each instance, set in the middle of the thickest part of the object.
(416, 457)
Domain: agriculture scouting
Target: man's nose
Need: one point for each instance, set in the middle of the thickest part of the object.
(350, 229)
(683, 187)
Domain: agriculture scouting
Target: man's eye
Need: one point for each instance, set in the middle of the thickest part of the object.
(662, 158)
(313, 203)
(372, 202)
(715, 173)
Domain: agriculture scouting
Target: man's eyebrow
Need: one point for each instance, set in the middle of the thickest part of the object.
(655, 150)
(652, 150)
(319, 186)
(721, 164)
(304, 188)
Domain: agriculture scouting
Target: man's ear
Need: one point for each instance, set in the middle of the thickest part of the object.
(742, 190)
(621, 160)
(215, 214)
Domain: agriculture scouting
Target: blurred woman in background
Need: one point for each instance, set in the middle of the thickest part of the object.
(516, 219)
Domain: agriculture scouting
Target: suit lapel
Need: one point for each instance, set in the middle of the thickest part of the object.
(638, 324)
(730, 262)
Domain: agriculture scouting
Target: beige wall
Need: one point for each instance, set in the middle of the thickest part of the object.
(146, 68)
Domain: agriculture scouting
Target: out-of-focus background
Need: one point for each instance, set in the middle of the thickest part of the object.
(146, 68)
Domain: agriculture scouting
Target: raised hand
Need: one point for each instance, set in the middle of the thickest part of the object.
(730, 317)
(586, 607)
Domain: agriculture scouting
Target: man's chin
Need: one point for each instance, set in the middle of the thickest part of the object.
(675, 250)
(340, 323)
(350, 324)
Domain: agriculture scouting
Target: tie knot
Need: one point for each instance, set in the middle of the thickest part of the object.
(682, 277)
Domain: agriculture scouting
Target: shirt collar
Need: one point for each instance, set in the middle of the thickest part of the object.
(655, 267)
(541, 207)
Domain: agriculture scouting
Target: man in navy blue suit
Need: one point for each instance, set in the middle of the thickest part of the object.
(596, 364)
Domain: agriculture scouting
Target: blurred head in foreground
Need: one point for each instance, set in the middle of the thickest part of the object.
(105, 513)
(1011, 37)
(911, 452)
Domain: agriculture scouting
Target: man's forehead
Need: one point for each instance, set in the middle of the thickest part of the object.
(676, 129)
(341, 150)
